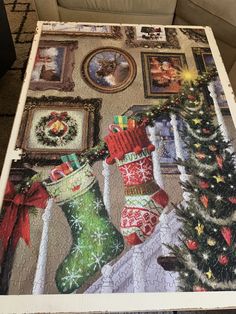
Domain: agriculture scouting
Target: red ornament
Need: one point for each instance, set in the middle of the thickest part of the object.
(191, 97)
(204, 200)
(200, 155)
(219, 160)
(232, 199)
(223, 260)
(204, 185)
(227, 234)
(192, 245)
(199, 289)
(206, 131)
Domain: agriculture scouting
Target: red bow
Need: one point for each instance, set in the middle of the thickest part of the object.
(57, 116)
(16, 206)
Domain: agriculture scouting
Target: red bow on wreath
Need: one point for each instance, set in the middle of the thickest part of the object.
(57, 117)
(15, 221)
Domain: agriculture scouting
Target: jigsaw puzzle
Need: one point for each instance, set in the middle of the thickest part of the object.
(125, 176)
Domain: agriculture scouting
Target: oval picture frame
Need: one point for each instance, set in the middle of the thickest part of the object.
(108, 69)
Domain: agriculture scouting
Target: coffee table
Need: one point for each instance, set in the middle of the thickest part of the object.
(102, 103)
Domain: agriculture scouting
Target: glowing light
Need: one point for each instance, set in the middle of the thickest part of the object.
(188, 75)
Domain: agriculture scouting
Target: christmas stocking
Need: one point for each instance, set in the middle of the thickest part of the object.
(131, 149)
(95, 239)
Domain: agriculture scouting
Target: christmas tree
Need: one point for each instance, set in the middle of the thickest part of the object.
(206, 256)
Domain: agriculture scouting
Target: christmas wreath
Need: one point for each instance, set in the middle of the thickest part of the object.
(56, 129)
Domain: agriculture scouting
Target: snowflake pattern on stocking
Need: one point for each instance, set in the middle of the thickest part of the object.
(75, 222)
(97, 205)
(97, 261)
(117, 246)
(128, 173)
(99, 236)
(72, 277)
(137, 172)
(144, 169)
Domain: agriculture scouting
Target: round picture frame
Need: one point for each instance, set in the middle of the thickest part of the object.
(108, 69)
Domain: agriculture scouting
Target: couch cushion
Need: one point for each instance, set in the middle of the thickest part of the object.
(194, 14)
(226, 10)
(124, 6)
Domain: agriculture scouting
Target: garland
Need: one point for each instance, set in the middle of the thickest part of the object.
(148, 117)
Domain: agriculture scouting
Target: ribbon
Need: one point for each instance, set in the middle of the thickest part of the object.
(16, 211)
(57, 116)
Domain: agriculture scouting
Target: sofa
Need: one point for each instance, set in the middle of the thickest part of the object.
(220, 15)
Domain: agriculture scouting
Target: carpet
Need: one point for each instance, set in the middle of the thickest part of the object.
(22, 20)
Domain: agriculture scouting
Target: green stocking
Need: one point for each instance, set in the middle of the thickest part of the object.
(95, 239)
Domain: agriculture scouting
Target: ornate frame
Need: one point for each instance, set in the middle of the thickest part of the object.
(108, 90)
(198, 35)
(90, 137)
(66, 82)
(146, 72)
(54, 29)
(170, 43)
(198, 53)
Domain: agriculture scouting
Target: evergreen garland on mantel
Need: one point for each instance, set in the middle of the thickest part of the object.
(148, 117)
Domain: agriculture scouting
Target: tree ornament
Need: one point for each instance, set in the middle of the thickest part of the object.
(219, 160)
(204, 184)
(227, 234)
(199, 228)
(192, 245)
(219, 178)
(232, 199)
(206, 131)
(199, 289)
(213, 148)
(191, 97)
(197, 145)
(209, 274)
(211, 241)
(200, 155)
(223, 260)
(204, 199)
(95, 240)
(197, 121)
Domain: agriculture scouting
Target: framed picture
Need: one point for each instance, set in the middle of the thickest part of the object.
(196, 34)
(161, 73)
(107, 31)
(53, 66)
(53, 126)
(204, 61)
(109, 69)
(151, 36)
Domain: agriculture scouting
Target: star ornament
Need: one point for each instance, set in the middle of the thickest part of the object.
(188, 75)
(197, 145)
(199, 229)
(197, 121)
(209, 274)
(219, 179)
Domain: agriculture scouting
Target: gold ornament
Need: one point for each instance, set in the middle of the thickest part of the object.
(197, 121)
(219, 178)
(211, 241)
(197, 145)
(209, 274)
(199, 228)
